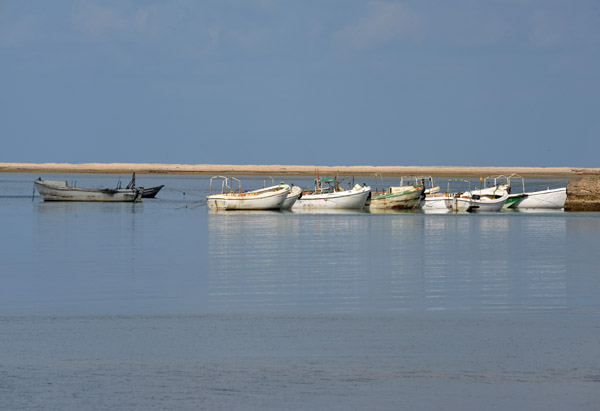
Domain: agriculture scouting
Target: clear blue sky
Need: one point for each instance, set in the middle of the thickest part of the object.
(326, 82)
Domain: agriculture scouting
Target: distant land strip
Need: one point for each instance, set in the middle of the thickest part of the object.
(292, 170)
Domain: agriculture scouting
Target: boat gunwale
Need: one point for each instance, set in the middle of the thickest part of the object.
(260, 194)
(311, 195)
(381, 195)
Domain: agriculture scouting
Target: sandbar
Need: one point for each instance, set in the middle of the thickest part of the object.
(296, 170)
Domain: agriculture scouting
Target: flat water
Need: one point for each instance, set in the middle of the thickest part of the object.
(165, 305)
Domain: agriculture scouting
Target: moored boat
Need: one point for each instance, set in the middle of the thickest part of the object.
(152, 191)
(474, 202)
(292, 197)
(483, 199)
(333, 196)
(59, 190)
(542, 199)
(268, 198)
(548, 199)
(437, 203)
(401, 197)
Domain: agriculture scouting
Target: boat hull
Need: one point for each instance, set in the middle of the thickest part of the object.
(152, 191)
(437, 204)
(59, 191)
(271, 198)
(292, 197)
(406, 200)
(474, 205)
(549, 199)
(348, 199)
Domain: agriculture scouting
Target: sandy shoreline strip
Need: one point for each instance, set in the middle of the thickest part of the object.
(294, 170)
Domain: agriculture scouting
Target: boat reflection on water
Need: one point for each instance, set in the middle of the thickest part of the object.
(336, 260)
(391, 211)
(235, 213)
(299, 211)
(329, 211)
(545, 211)
(58, 207)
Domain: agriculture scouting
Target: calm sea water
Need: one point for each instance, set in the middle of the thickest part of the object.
(164, 305)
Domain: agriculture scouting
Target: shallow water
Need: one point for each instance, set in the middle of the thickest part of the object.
(163, 304)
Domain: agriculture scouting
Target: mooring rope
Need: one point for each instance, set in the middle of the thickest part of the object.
(192, 193)
(192, 205)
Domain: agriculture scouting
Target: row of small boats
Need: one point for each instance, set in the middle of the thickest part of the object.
(411, 193)
(327, 194)
(493, 197)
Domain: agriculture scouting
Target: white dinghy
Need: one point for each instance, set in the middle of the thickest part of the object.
(474, 202)
(437, 203)
(333, 196)
(268, 198)
(545, 199)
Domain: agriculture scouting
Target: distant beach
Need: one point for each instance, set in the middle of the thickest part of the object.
(295, 170)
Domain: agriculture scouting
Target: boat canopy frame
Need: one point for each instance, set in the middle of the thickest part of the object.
(226, 184)
(404, 181)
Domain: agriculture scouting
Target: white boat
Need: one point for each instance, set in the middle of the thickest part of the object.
(474, 202)
(433, 201)
(483, 199)
(333, 196)
(268, 198)
(292, 197)
(401, 197)
(437, 203)
(547, 199)
(59, 190)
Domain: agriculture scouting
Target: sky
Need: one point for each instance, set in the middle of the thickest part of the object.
(310, 82)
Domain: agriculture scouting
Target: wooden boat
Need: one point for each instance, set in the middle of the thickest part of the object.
(397, 198)
(292, 197)
(268, 198)
(152, 191)
(52, 190)
(402, 197)
(333, 196)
